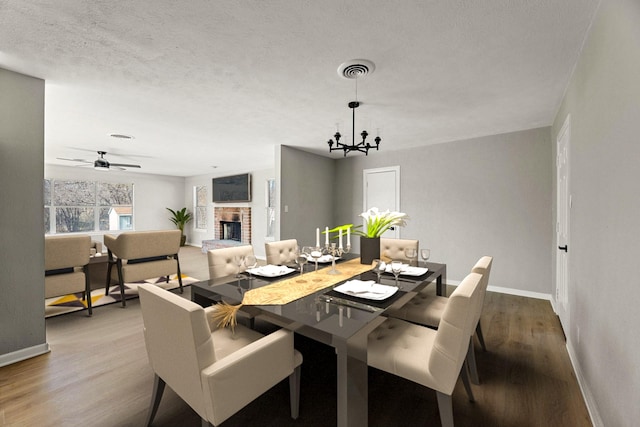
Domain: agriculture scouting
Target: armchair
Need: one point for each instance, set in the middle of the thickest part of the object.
(215, 371)
(65, 263)
(140, 255)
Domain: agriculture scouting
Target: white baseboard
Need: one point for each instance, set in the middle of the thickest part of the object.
(589, 400)
(510, 291)
(23, 354)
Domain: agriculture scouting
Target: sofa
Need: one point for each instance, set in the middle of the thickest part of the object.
(66, 260)
(141, 255)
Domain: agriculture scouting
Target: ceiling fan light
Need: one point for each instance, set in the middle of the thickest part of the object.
(100, 168)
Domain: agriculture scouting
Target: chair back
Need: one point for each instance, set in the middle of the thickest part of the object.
(394, 248)
(222, 261)
(452, 338)
(483, 267)
(178, 341)
(144, 244)
(281, 252)
(64, 261)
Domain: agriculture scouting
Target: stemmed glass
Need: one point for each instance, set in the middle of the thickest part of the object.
(396, 268)
(411, 253)
(425, 254)
(378, 267)
(316, 253)
(239, 260)
(301, 260)
(250, 261)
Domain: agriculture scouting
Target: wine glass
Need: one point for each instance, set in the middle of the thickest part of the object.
(378, 267)
(250, 261)
(316, 254)
(425, 254)
(411, 253)
(301, 260)
(239, 260)
(396, 268)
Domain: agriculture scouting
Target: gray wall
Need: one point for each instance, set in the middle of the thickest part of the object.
(307, 186)
(483, 196)
(603, 100)
(22, 328)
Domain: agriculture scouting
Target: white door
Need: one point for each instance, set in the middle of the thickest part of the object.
(382, 190)
(562, 226)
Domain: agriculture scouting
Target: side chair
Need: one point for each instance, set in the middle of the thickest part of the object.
(394, 248)
(281, 252)
(217, 372)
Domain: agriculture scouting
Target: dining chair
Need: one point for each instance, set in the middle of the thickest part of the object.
(222, 262)
(432, 358)
(216, 371)
(393, 249)
(427, 309)
(281, 252)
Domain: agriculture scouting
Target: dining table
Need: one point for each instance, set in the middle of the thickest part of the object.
(342, 320)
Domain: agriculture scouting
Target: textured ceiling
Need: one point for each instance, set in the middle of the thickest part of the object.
(203, 83)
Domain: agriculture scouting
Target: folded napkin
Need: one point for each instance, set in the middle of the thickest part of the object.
(270, 270)
(368, 289)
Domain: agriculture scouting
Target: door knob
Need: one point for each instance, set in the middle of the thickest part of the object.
(563, 248)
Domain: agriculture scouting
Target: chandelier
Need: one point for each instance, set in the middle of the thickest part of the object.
(354, 69)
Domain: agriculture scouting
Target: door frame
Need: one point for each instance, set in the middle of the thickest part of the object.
(365, 173)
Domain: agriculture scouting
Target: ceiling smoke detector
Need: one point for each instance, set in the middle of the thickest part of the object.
(356, 68)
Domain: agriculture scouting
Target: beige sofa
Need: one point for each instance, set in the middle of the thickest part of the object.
(140, 255)
(65, 263)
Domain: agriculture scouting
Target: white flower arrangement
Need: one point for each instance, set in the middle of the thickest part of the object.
(376, 222)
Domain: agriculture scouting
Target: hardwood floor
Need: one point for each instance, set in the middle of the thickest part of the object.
(97, 374)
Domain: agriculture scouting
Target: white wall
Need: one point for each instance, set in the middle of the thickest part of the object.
(22, 327)
(152, 193)
(466, 199)
(257, 205)
(603, 99)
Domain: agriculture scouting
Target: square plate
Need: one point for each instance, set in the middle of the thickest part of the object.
(408, 270)
(367, 289)
(270, 270)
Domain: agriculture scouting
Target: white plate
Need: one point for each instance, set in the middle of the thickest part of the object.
(408, 270)
(367, 289)
(270, 270)
(324, 259)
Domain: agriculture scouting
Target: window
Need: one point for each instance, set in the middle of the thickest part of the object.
(200, 206)
(87, 206)
(271, 207)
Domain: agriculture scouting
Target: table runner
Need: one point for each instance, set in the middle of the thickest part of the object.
(289, 290)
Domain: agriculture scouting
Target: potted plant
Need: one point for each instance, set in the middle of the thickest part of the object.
(375, 224)
(180, 218)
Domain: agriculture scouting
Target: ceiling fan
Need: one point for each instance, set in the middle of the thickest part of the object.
(102, 164)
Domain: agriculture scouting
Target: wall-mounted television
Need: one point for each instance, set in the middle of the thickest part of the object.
(235, 188)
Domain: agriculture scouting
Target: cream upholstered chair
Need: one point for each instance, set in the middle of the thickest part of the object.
(216, 372)
(432, 358)
(393, 249)
(281, 252)
(65, 266)
(427, 309)
(222, 261)
(140, 255)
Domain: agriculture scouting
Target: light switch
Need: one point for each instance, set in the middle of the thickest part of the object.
(286, 208)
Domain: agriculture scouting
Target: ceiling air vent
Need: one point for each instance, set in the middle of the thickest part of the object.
(356, 68)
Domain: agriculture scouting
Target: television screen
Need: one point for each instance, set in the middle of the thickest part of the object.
(236, 188)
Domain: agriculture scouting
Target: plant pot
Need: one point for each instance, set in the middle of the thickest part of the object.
(183, 240)
(369, 249)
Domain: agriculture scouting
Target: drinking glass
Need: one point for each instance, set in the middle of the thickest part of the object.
(250, 261)
(378, 267)
(411, 253)
(396, 268)
(239, 260)
(301, 260)
(425, 254)
(316, 253)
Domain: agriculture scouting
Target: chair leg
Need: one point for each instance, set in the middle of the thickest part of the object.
(480, 337)
(121, 280)
(156, 396)
(294, 392)
(445, 407)
(179, 274)
(87, 289)
(471, 361)
(109, 267)
(465, 380)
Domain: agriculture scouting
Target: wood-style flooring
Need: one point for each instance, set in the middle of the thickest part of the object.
(97, 374)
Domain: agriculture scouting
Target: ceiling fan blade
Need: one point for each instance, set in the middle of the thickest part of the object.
(74, 160)
(124, 165)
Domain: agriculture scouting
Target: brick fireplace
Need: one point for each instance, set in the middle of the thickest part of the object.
(232, 224)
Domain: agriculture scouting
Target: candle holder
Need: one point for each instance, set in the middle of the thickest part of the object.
(336, 252)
